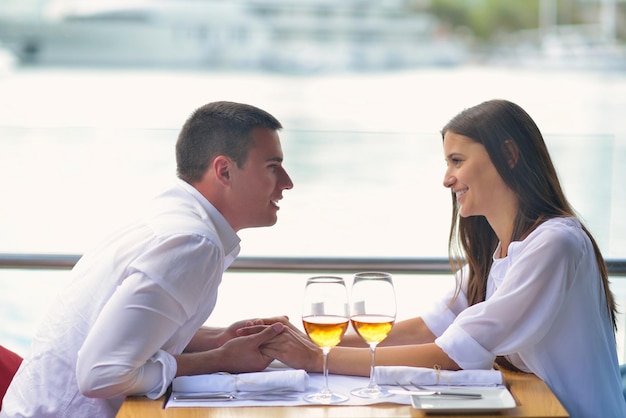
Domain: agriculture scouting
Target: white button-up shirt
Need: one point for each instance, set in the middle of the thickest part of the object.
(134, 301)
(545, 310)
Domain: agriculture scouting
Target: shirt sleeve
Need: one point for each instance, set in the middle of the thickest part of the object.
(185, 266)
(123, 353)
(521, 310)
(443, 312)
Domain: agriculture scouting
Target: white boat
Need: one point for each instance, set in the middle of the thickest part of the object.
(275, 35)
(576, 47)
(8, 61)
(591, 46)
(157, 32)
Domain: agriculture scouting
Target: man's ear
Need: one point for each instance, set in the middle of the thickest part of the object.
(222, 166)
(511, 152)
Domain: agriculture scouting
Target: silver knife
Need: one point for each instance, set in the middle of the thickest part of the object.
(465, 395)
(232, 397)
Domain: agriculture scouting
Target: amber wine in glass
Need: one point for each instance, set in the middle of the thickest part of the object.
(325, 318)
(373, 307)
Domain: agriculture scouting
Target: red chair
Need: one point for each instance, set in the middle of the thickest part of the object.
(9, 363)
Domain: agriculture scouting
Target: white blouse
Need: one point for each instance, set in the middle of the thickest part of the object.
(546, 311)
(135, 301)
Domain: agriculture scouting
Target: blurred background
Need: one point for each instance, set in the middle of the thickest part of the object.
(286, 36)
(93, 93)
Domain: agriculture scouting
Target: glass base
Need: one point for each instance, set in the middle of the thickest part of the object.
(371, 392)
(326, 398)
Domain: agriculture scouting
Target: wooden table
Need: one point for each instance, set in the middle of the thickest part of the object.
(533, 398)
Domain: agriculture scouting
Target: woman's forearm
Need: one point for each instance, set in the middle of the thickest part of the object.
(352, 339)
(357, 361)
(408, 332)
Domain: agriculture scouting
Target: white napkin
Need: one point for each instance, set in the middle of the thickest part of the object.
(296, 380)
(393, 375)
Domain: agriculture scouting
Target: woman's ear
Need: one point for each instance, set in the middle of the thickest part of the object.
(511, 152)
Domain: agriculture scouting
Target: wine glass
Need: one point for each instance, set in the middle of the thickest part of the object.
(373, 307)
(325, 317)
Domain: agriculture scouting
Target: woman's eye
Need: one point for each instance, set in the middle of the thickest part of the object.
(453, 161)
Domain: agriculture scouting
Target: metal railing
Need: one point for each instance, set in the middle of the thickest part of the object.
(616, 267)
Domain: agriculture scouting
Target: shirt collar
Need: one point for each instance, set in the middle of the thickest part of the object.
(227, 234)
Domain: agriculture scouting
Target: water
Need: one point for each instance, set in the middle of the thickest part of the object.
(82, 150)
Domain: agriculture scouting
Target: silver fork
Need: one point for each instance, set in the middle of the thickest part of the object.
(274, 395)
(428, 392)
(451, 392)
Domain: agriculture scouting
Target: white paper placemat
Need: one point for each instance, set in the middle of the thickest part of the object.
(337, 383)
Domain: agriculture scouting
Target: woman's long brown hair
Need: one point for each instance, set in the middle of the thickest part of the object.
(533, 178)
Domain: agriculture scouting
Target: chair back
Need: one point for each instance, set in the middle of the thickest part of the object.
(9, 363)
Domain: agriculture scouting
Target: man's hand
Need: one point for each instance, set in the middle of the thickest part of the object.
(208, 338)
(257, 325)
(244, 354)
(237, 355)
(295, 349)
(292, 346)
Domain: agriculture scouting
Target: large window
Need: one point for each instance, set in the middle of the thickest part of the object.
(92, 96)
(356, 194)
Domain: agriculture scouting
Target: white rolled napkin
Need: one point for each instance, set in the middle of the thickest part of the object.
(404, 375)
(296, 380)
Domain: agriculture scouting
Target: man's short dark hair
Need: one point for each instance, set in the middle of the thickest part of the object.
(218, 128)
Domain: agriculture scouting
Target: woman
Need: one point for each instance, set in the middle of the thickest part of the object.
(532, 287)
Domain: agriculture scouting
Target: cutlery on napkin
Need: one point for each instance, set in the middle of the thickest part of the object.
(279, 380)
(423, 376)
(271, 395)
(422, 391)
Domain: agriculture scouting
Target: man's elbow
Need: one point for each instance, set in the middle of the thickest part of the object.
(104, 381)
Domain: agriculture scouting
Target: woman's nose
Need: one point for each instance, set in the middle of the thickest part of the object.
(448, 180)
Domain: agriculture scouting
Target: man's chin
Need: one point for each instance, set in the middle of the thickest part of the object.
(263, 224)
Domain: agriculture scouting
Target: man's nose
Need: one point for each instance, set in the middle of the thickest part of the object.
(286, 181)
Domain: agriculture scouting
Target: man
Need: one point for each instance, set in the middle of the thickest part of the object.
(131, 319)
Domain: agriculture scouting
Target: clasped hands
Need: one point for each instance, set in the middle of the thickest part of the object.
(290, 345)
(249, 346)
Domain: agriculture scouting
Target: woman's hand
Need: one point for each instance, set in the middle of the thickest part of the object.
(237, 355)
(294, 348)
(250, 324)
(244, 354)
(209, 338)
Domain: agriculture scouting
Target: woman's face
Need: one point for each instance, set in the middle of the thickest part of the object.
(477, 185)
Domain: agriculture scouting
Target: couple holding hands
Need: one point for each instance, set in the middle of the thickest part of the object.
(532, 289)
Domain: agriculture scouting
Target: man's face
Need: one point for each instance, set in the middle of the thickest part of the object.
(258, 185)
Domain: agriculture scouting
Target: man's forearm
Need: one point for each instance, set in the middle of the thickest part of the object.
(204, 339)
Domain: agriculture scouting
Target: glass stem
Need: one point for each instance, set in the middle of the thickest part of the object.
(325, 368)
(372, 384)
